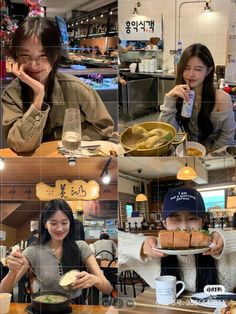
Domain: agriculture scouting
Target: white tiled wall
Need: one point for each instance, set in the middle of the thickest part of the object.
(195, 25)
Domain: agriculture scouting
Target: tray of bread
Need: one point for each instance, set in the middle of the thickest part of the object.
(182, 242)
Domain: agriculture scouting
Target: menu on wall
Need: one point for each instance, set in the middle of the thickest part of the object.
(230, 70)
(159, 190)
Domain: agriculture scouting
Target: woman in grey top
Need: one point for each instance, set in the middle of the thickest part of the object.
(212, 121)
(55, 254)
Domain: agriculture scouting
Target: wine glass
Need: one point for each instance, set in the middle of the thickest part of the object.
(71, 134)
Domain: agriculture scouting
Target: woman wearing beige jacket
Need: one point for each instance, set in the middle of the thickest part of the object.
(34, 103)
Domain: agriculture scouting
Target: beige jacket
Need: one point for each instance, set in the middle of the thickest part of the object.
(24, 129)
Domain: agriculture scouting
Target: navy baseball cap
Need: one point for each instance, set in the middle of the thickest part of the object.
(183, 199)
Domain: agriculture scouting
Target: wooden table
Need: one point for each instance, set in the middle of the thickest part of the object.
(47, 149)
(146, 303)
(18, 308)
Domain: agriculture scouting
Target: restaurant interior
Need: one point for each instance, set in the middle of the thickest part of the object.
(26, 186)
(111, 185)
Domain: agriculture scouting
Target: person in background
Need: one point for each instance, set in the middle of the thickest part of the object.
(105, 243)
(58, 252)
(34, 103)
(33, 239)
(212, 121)
(183, 209)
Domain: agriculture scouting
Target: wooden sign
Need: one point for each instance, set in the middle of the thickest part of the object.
(72, 191)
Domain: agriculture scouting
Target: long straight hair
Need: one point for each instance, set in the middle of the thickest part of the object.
(71, 257)
(48, 34)
(208, 91)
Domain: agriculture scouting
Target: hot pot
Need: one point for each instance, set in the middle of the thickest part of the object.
(128, 140)
(50, 308)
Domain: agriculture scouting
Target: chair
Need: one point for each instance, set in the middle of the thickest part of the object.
(130, 277)
(106, 255)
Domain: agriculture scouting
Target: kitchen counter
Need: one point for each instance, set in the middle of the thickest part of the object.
(144, 74)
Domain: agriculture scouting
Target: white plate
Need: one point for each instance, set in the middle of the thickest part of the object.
(105, 146)
(212, 303)
(182, 252)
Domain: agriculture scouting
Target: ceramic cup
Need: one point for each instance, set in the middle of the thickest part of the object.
(166, 289)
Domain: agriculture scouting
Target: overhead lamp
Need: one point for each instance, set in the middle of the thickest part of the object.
(186, 173)
(101, 15)
(94, 18)
(87, 20)
(81, 22)
(2, 164)
(140, 197)
(207, 7)
(106, 178)
(111, 12)
(135, 12)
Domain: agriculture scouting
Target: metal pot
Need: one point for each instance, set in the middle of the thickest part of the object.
(128, 140)
(53, 308)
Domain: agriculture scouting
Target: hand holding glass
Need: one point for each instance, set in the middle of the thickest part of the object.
(71, 135)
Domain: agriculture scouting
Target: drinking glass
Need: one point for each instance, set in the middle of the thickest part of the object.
(71, 134)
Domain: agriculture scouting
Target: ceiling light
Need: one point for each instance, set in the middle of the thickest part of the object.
(2, 164)
(111, 12)
(140, 197)
(101, 15)
(94, 18)
(186, 173)
(106, 178)
(81, 22)
(135, 12)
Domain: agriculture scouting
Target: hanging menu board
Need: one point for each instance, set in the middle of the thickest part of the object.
(159, 190)
(230, 70)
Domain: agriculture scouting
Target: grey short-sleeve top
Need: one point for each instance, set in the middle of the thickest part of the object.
(49, 269)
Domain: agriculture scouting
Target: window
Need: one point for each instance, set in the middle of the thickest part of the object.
(214, 199)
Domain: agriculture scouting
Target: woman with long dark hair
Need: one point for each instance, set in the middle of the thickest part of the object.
(183, 208)
(55, 254)
(212, 120)
(34, 103)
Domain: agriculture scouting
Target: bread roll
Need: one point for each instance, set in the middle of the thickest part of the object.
(166, 239)
(200, 238)
(181, 239)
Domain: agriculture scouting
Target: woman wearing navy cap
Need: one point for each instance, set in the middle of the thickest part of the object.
(183, 208)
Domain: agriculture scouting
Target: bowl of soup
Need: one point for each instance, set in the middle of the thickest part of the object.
(148, 139)
(193, 149)
(50, 302)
